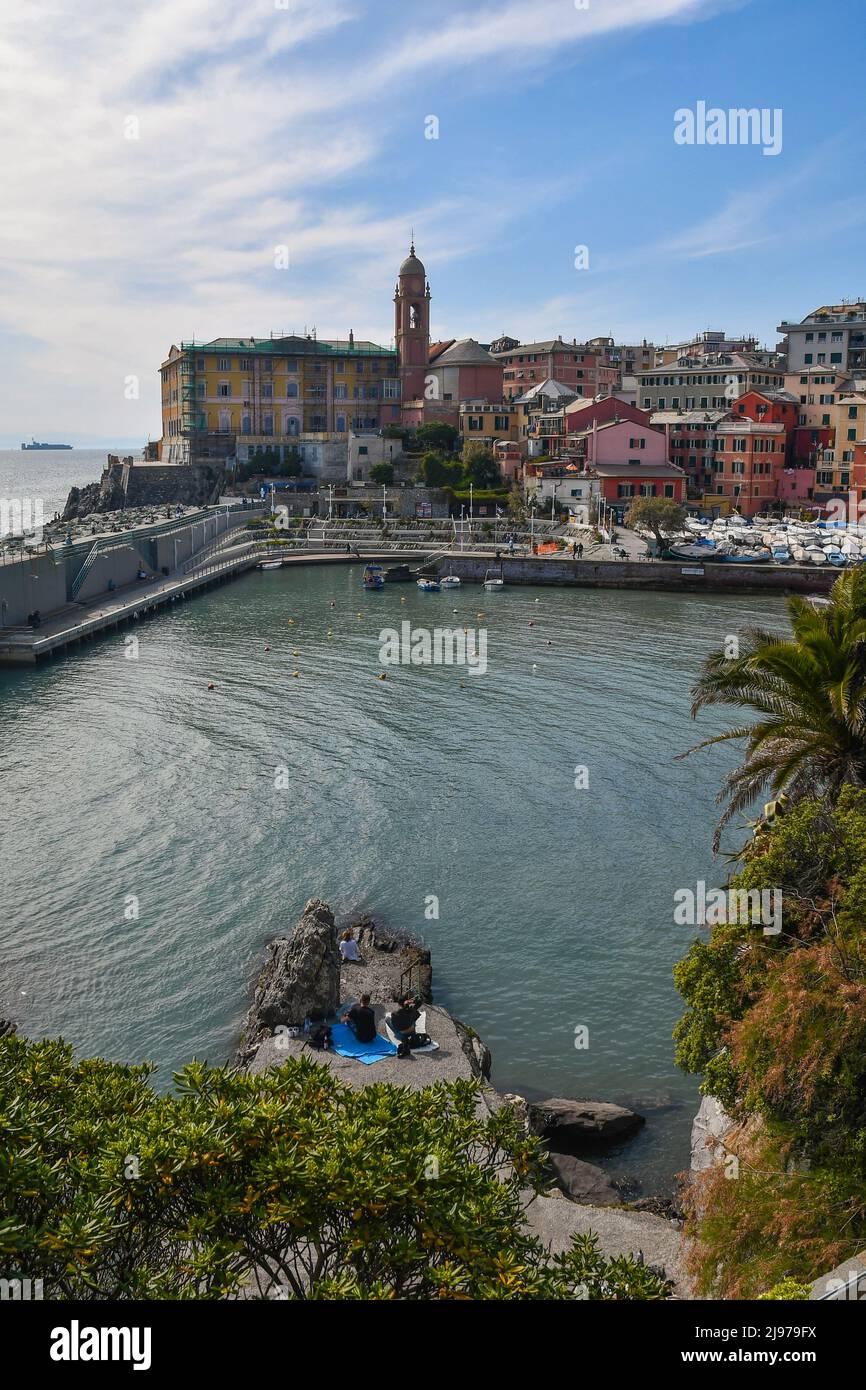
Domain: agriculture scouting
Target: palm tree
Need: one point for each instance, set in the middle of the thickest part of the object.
(809, 692)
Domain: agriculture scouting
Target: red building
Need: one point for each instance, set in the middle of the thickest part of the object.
(586, 372)
(412, 326)
(621, 483)
(771, 408)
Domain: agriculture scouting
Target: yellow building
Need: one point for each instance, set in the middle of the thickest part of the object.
(488, 423)
(816, 388)
(273, 389)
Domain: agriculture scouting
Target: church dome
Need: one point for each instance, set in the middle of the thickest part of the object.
(412, 265)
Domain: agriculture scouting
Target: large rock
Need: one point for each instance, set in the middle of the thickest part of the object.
(584, 1182)
(569, 1125)
(300, 977)
(709, 1128)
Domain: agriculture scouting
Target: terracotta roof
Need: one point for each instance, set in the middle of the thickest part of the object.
(436, 349)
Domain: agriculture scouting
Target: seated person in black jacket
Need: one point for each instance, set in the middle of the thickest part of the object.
(362, 1020)
(404, 1018)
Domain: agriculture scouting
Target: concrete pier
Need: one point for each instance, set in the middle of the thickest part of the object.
(71, 623)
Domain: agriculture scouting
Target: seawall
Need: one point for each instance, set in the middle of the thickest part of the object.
(645, 574)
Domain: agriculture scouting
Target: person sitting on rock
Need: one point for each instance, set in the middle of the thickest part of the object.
(349, 946)
(404, 1018)
(362, 1020)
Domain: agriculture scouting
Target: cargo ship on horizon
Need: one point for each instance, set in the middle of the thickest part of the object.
(34, 444)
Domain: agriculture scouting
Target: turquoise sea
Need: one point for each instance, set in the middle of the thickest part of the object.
(148, 854)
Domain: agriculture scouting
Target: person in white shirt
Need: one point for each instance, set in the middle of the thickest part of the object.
(349, 946)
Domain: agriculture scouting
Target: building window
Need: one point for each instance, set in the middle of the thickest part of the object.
(292, 390)
(224, 364)
(341, 424)
(224, 389)
(669, 489)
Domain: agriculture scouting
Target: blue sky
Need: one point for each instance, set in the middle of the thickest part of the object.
(301, 123)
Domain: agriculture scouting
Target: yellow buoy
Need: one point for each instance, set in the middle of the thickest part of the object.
(296, 652)
(383, 676)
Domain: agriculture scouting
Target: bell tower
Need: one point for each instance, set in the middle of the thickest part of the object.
(412, 326)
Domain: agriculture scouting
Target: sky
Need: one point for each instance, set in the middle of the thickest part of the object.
(158, 156)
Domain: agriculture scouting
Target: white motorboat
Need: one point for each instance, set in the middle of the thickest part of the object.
(271, 565)
(450, 581)
(493, 582)
(815, 555)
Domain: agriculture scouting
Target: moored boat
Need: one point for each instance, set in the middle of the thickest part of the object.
(374, 577)
(429, 586)
(493, 582)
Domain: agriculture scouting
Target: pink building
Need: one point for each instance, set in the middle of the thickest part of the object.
(619, 441)
(796, 485)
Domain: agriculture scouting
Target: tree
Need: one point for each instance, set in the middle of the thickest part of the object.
(479, 466)
(516, 503)
(661, 515)
(382, 473)
(436, 471)
(809, 693)
(291, 465)
(286, 1180)
(777, 1025)
(437, 435)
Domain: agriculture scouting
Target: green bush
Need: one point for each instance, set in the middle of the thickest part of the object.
(285, 1179)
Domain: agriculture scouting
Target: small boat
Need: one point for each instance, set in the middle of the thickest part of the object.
(374, 577)
(493, 582)
(429, 586)
(781, 554)
(450, 581)
(815, 555)
(271, 565)
(748, 555)
(835, 557)
(694, 551)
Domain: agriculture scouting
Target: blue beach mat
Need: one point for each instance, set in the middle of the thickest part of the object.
(347, 1045)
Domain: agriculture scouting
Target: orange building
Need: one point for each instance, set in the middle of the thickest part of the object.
(749, 462)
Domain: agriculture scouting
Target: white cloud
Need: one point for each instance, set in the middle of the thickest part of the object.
(250, 121)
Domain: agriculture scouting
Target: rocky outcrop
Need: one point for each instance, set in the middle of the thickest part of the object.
(105, 496)
(300, 977)
(709, 1127)
(477, 1053)
(583, 1182)
(126, 483)
(392, 964)
(570, 1125)
(6, 1027)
